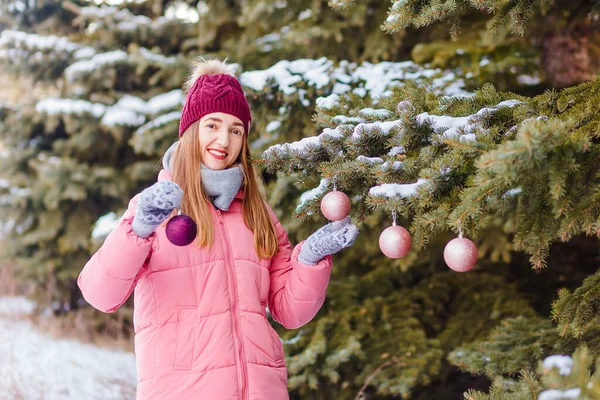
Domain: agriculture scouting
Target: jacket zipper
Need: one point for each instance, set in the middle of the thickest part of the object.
(236, 329)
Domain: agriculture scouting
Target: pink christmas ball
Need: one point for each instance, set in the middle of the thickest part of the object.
(395, 242)
(335, 206)
(460, 254)
(181, 230)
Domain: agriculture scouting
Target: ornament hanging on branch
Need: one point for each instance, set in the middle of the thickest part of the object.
(181, 230)
(335, 205)
(460, 253)
(395, 241)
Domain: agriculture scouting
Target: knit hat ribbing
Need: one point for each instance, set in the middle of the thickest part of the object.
(212, 93)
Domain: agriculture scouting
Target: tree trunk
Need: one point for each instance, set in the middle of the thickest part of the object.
(566, 57)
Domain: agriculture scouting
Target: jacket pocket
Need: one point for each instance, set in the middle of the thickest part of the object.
(277, 345)
(185, 338)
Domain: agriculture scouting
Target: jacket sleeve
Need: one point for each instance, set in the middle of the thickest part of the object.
(297, 290)
(110, 276)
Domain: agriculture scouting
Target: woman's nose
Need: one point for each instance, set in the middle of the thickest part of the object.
(223, 137)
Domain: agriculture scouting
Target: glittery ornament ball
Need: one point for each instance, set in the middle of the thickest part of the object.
(181, 230)
(460, 254)
(335, 206)
(395, 242)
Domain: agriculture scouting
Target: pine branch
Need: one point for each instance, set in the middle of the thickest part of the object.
(513, 14)
(575, 312)
(516, 344)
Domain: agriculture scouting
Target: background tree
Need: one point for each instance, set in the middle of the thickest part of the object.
(560, 38)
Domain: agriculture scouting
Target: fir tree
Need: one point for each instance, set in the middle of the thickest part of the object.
(75, 155)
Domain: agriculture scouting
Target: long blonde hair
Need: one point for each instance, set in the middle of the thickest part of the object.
(196, 204)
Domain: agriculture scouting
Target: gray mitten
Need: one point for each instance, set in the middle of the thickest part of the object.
(155, 205)
(329, 239)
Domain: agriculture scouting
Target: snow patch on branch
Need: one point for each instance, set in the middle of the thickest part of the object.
(555, 394)
(562, 363)
(159, 121)
(104, 225)
(150, 55)
(370, 160)
(305, 144)
(380, 113)
(98, 12)
(449, 127)
(33, 42)
(374, 79)
(462, 128)
(395, 166)
(394, 151)
(96, 62)
(329, 133)
(125, 19)
(131, 102)
(364, 129)
(327, 103)
(14, 190)
(166, 101)
(54, 105)
(398, 190)
(122, 116)
(280, 72)
(342, 119)
(84, 52)
(313, 193)
(15, 45)
(273, 126)
(127, 111)
(306, 14)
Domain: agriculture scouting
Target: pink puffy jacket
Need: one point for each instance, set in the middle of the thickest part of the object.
(201, 331)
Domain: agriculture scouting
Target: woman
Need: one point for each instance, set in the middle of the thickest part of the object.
(201, 330)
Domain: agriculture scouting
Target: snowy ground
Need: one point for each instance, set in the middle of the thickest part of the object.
(34, 366)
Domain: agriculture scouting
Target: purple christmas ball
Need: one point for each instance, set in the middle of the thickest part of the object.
(181, 230)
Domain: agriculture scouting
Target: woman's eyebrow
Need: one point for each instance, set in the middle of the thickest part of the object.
(220, 120)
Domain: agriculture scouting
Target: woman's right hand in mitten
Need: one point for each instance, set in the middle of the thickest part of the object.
(155, 205)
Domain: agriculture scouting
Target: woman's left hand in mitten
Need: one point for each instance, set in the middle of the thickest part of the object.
(329, 239)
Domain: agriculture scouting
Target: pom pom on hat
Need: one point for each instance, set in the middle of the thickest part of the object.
(203, 66)
(211, 87)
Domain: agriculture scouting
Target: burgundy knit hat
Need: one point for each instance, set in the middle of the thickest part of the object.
(213, 89)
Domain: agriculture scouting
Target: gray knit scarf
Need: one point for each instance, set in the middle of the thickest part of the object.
(220, 186)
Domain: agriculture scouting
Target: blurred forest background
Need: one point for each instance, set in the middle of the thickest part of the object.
(91, 97)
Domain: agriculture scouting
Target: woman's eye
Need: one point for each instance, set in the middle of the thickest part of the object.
(237, 132)
(211, 126)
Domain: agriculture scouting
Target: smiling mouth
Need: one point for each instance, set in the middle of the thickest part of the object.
(218, 154)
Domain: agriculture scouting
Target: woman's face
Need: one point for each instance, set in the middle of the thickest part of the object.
(221, 137)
